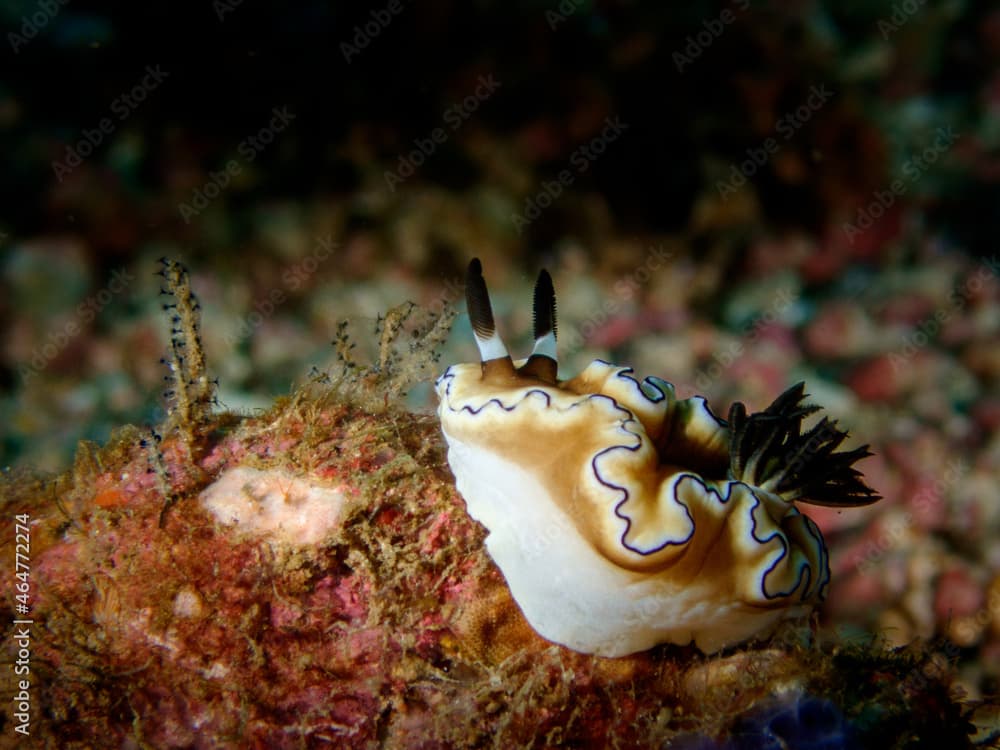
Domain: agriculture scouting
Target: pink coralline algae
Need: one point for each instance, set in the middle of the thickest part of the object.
(275, 504)
(383, 625)
(309, 578)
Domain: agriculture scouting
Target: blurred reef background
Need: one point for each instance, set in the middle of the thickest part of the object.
(733, 197)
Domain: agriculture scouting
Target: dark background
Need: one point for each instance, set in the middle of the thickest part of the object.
(609, 58)
(896, 78)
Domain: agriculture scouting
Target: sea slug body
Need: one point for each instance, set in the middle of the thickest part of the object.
(623, 517)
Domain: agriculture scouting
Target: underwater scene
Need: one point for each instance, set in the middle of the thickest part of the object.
(542, 374)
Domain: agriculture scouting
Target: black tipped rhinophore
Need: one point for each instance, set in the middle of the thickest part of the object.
(768, 449)
(545, 306)
(477, 297)
(542, 363)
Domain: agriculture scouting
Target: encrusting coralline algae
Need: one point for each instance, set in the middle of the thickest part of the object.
(233, 619)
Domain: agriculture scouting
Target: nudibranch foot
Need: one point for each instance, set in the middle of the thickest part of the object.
(623, 517)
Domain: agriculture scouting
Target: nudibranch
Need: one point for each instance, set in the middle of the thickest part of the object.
(623, 517)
